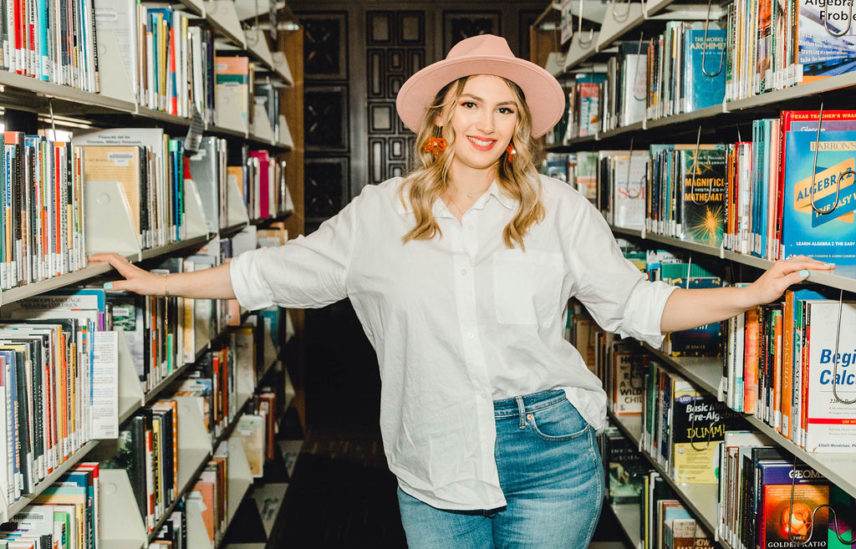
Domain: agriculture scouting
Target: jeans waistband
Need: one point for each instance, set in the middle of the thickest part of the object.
(528, 403)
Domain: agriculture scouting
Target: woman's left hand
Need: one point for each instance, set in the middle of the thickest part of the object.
(772, 284)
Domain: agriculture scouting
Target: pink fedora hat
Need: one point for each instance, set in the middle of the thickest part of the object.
(483, 54)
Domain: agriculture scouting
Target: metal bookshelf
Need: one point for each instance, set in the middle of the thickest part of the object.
(700, 499)
(843, 278)
(706, 373)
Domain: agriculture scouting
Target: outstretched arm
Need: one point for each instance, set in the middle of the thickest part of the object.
(686, 308)
(206, 284)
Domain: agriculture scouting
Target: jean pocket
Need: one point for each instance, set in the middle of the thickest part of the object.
(559, 423)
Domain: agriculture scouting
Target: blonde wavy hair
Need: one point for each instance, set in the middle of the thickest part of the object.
(429, 180)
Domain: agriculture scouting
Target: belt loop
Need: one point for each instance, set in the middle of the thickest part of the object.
(521, 409)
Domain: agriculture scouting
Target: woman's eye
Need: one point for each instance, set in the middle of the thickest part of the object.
(468, 105)
(506, 110)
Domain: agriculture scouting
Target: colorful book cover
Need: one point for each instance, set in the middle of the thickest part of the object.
(704, 79)
(589, 108)
(779, 521)
(830, 426)
(825, 41)
(820, 226)
(704, 196)
(699, 422)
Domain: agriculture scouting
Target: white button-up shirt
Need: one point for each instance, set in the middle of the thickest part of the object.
(461, 320)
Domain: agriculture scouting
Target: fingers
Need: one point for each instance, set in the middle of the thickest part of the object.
(118, 262)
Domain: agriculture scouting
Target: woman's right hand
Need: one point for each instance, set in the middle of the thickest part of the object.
(137, 280)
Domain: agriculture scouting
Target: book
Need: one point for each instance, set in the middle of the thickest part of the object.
(829, 426)
(779, 521)
(703, 195)
(819, 223)
(704, 79)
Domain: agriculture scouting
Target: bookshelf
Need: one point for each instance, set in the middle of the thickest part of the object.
(624, 21)
(105, 110)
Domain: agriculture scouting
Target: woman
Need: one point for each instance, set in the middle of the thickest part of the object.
(459, 274)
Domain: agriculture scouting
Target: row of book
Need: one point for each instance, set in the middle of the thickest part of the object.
(41, 219)
(678, 71)
(148, 444)
(51, 41)
(774, 45)
(42, 226)
(64, 515)
(756, 197)
(168, 54)
(664, 522)
(789, 363)
(765, 498)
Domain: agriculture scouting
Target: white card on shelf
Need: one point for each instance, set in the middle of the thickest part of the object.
(197, 533)
(122, 525)
(194, 444)
(236, 211)
(261, 124)
(280, 64)
(285, 138)
(131, 394)
(240, 476)
(109, 226)
(194, 214)
(116, 80)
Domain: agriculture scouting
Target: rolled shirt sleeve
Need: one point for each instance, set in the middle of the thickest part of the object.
(306, 272)
(619, 297)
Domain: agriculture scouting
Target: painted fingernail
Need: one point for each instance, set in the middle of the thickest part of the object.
(830, 264)
(804, 274)
(108, 285)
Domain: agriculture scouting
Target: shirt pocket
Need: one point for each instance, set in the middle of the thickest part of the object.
(527, 286)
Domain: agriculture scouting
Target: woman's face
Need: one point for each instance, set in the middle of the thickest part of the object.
(484, 118)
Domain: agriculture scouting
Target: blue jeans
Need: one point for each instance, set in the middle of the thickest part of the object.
(550, 473)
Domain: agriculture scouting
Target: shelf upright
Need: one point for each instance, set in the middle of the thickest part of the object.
(583, 45)
(620, 17)
(222, 16)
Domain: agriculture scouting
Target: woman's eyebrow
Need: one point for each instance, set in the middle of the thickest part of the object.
(479, 99)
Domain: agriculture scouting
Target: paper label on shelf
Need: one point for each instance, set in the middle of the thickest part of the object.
(104, 417)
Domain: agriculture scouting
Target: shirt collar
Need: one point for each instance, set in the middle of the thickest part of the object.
(403, 205)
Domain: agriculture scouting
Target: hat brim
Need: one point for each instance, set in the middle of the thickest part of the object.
(544, 94)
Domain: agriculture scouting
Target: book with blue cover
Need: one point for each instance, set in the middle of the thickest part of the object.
(704, 81)
(821, 226)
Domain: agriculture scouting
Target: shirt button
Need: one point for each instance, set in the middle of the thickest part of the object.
(471, 335)
(485, 396)
(463, 272)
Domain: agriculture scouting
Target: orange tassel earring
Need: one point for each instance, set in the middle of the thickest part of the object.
(510, 153)
(434, 145)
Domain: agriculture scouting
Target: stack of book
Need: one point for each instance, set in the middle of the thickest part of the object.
(65, 514)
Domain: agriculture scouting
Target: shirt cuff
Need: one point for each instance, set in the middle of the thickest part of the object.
(249, 287)
(644, 312)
